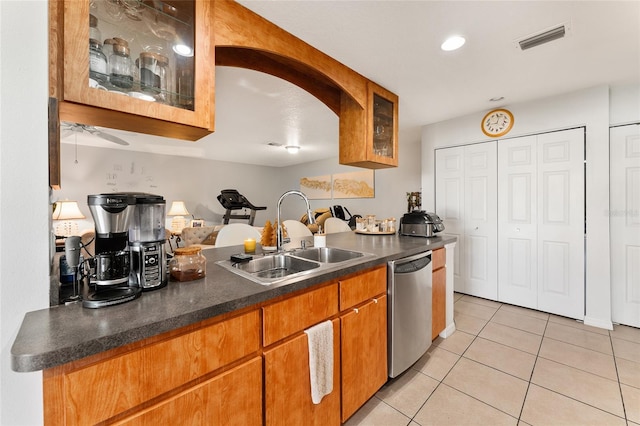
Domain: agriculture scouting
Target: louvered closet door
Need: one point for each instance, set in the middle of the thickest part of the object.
(624, 219)
(561, 223)
(517, 222)
(450, 203)
(480, 220)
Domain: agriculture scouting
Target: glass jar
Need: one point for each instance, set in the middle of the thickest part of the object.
(107, 47)
(120, 65)
(97, 62)
(187, 264)
(391, 225)
(149, 72)
(94, 32)
(155, 75)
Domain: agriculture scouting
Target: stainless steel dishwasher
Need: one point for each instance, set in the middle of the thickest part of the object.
(409, 310)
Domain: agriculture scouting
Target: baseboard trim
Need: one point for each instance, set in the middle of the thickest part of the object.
(448, 331)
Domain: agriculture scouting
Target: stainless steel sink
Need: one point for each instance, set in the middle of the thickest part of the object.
(327, 254)
(270, 269)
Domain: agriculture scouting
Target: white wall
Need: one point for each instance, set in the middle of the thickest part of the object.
(590, 108)
(24, 196)
(197, 182)
(625, 104)
(391, 185)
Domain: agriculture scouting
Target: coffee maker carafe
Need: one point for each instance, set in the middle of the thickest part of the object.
(109, 280)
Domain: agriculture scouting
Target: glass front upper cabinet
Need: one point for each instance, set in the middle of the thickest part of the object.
(383, 126)
(148, 58)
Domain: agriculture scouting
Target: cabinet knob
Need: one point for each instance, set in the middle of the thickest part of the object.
(356, 310)
(375, 300)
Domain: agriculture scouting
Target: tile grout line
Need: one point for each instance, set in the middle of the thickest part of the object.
(615, 364)
(460, 356)
(535, 362)
(440, 382)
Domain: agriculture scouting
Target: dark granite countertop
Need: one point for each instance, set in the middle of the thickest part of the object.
(61, 334)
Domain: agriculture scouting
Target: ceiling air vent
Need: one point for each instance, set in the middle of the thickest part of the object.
(543, 37)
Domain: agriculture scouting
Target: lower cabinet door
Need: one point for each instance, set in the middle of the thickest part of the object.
(364, 353)
(231, 399)
(438, 302)
(288, 387)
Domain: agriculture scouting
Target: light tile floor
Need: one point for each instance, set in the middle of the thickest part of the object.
(507, 365)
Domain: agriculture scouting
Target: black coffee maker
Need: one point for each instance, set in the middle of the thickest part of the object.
(110, 267)
(130, 254)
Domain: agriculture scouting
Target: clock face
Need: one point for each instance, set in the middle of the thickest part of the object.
(497, 123)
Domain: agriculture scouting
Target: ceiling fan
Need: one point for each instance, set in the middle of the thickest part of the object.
(69, 128)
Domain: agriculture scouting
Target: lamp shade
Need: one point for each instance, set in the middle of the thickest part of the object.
(178, 209)
(66, 210)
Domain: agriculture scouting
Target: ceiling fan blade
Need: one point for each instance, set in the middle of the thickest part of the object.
(65, 132)
(105, 136)
(110, 138)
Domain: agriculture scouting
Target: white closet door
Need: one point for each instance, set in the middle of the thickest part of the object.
(517, 222)
(450, 203)
(561, 223)
(624, 219)
(480, 220)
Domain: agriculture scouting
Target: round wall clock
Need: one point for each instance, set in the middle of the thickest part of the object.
(497, 123)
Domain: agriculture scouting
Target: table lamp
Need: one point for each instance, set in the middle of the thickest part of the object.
(178, 210)
(67, 211)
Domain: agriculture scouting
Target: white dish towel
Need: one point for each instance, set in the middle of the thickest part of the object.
(320, 339)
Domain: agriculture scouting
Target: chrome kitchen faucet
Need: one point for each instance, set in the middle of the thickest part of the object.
(279, 236)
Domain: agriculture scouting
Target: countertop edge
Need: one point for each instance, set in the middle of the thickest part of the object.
(26, 358)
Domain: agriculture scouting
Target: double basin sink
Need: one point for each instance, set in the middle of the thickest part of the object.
(274, 268)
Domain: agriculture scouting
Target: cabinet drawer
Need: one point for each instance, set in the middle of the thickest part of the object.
(438, 258)
(296, 313)
(102, 390)
(231, 399)
(357, 289)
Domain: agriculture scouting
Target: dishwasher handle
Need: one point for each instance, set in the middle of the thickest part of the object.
(411, 264)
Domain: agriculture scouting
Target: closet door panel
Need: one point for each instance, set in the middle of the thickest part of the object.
(480, 213)
(624, 219)
(517, 229)
(561, 223)
(450, 203)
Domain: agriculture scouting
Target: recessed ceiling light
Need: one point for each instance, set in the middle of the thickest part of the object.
(292, 149)
(453, 43)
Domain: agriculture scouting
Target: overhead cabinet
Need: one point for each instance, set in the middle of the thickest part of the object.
(369, 137)
(144, 86)
(517, 208)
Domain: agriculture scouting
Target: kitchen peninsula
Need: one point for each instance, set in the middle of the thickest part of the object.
(209, 339)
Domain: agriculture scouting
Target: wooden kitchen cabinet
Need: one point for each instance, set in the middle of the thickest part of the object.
(370, 139)
(287, 384)
(288, 388)
(439, 293)
(229, 399)
(363, 319)
(146, 29)
(286, 362)
(166, 372)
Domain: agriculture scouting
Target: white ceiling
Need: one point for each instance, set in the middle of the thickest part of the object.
(396, 44)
